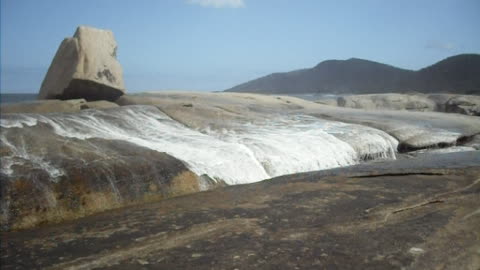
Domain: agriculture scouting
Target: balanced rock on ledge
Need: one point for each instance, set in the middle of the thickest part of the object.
(85, 66)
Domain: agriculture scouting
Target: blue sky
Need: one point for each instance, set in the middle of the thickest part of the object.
(216, 44)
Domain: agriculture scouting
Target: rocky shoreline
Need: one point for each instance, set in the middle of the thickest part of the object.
(416, 213)
(449, 103)
(55, 164)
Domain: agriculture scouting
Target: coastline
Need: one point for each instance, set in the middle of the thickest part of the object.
(366, 216)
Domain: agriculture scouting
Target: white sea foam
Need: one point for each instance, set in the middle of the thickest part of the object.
(289, 145)
(19, 155)
(244, 154)
(19, 121)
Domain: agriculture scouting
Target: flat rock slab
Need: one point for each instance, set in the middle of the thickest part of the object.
(73, 178)
(390, 101)
(45, 106)
(451, 103)
(56, 106)
(413, 130)
(428, 219)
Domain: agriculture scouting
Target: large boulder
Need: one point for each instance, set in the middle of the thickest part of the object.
(85, 66)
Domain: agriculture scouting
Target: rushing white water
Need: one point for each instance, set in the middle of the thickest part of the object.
(244, 154)
(20, 153)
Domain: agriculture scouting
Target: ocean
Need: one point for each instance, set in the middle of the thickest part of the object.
(16, 98)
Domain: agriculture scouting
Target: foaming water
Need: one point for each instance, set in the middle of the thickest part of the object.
(18, 120)
(19, 153)
(243, 154)
(299, 143)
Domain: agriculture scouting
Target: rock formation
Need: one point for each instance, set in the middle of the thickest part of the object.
(55, 105)
(387, 102)
(61, 179)
(101, 104)
(413, 130)
(53, 163)
(419, 213)
(45, 106)
(469, 105)
(85, 66)
(450, 103)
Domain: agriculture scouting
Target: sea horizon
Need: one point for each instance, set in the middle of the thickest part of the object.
(9, 98)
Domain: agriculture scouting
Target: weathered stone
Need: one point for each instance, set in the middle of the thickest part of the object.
(469, 105)
(474, 142)
(45, 106)
(387, 102)
(407, 214)
(101, 104)
(440, 100)
(55, 105)
(451, 103)
(414, 130)
(327, 101)
(60, 178)
(85, 66)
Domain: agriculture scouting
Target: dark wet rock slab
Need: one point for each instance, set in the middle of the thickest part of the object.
(354, 219)
(65, 178)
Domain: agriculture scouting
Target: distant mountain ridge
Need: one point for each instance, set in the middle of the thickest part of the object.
(456, 74)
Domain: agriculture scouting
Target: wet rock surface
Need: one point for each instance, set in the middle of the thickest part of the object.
(413, 214)
(40, 150)
(413, 130)
(474, 142)
(47, 178)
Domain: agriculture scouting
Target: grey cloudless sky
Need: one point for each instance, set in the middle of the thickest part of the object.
(216, 44)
